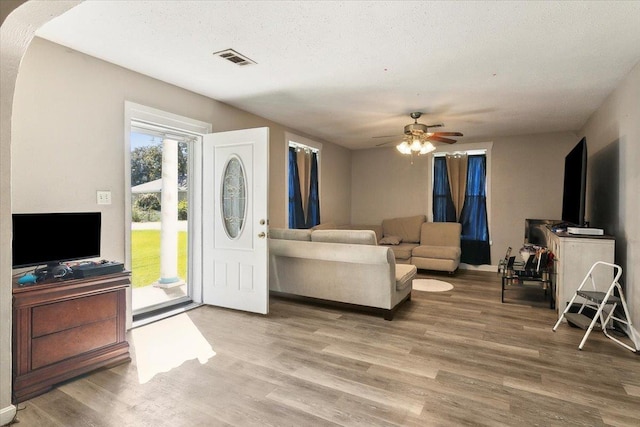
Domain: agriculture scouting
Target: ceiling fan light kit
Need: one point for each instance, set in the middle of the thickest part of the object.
(417, 138)
(414, 145)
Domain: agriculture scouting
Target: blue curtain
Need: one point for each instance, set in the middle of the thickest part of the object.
(443, 209)
(296, 214)
(313, 209)
(475, 230)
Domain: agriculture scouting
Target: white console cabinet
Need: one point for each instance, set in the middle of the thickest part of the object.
(574, 256)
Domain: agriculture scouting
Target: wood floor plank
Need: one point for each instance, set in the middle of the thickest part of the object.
(374, 394)
(409, 363)
(313, 402)
(32, 415)
(455, 358)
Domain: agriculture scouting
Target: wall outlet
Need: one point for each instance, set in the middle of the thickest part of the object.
(104, 197)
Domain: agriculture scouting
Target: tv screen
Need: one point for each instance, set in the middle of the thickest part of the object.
(575, 185)
(52, 238)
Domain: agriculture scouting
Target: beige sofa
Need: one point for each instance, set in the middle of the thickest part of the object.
(439, 247)
(344, 266)
(427, 245)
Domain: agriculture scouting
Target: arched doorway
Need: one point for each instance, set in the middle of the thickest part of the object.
(20, 20)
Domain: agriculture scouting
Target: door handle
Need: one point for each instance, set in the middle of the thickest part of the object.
(262, 235)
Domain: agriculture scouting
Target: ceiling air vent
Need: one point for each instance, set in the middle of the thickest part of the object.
(234, 57)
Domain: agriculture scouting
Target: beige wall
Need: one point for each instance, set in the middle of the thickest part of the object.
(68, 138)
(385, 184)
(17, 30)
(613, 201)
(335, 188)
(526, 182)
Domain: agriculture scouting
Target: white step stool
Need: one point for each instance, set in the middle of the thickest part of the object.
(599, 300)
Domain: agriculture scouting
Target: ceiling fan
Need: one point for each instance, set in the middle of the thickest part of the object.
(417, 138)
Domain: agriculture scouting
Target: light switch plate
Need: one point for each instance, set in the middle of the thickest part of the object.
(104, 197)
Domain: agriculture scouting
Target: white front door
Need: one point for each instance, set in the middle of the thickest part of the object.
(235, 206)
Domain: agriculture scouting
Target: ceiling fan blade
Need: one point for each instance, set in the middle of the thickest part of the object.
(386, 136)
(441, 139)
(447, 134)
(385, 143)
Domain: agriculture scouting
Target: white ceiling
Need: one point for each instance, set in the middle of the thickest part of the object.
(348, 71)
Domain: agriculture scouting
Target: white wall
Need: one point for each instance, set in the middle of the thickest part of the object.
(527, 173)
(613, 141)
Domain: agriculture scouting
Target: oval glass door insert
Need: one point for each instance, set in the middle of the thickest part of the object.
(234, 197)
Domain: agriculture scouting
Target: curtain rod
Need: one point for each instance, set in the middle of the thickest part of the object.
(468, 152)
(303, 147)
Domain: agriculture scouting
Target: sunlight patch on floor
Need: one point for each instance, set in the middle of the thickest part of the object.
(167, 344)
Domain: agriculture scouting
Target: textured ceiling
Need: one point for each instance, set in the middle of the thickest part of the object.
(348, 71)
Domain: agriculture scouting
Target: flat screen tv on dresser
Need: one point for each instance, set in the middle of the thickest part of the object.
(46, 240)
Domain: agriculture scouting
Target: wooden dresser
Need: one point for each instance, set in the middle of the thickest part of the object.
(574, 256)
(62, 329)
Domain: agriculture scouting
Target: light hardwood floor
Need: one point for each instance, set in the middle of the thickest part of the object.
(452, 358)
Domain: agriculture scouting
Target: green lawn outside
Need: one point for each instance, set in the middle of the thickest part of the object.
(145, 262)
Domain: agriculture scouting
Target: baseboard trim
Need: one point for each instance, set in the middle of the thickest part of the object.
(7, 415)
(483, 267)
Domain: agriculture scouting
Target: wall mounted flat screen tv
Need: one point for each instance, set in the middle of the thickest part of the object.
(575, 185)
(52, 238)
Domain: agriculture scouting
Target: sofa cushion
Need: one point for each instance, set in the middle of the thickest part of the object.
(440, 234)
(404, 275)
(357, 237)
(290, 234)
(376, 228)
(437, 252)
(407, 228)
(390, 240)
(403, 250)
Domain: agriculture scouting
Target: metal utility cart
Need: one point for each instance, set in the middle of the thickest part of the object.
(533, 274)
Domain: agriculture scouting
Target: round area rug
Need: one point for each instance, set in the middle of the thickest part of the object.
(431, 285)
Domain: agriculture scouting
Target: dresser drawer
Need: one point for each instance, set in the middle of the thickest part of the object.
(56, 317)
(53, 348)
